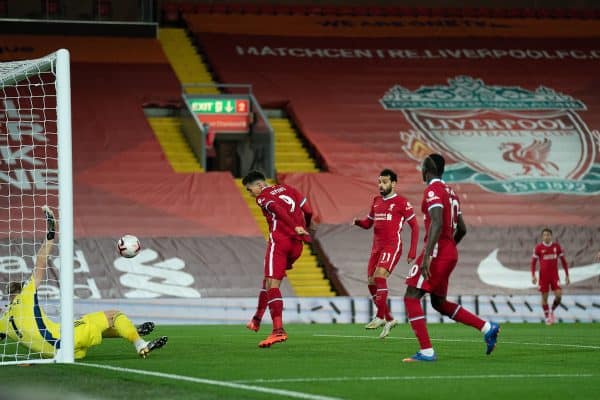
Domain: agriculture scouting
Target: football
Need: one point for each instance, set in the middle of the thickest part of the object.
(128, 246)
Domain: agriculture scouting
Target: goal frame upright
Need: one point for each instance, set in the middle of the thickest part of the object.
(65, 200)
(59, 64)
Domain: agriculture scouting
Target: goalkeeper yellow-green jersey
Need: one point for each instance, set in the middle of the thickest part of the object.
(26, 322)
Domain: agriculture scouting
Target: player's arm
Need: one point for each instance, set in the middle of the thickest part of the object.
(461, 229)
(366, 222)
(433, 235)
(414, 238)
(534, 259)
(307, 210)
(563, 261)
(3, 324)
(41, 258)
(282, 214)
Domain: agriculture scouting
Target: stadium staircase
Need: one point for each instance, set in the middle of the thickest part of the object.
(176, 149)
(306, 278)
(290, 155)
(187, 64)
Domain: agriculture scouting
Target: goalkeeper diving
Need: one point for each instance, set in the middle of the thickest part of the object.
(26, 322)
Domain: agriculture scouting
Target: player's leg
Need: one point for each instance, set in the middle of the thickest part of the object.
(557, 300)
(275, 304)
(254, 324)
(416, 287)
(416, 318)
(87, 332)
(279, 256)
(127, 330)
(378, 320)
(545, 307)
(381, 275)
(460, 314)
(143, 329)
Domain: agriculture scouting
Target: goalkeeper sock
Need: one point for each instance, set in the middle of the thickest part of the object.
(125, 328)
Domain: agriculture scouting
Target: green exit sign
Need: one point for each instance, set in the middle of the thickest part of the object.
(219, 106)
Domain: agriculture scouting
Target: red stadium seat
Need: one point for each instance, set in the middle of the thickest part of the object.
(528, 13)
(235, 8)
(220, 8)
(187, 7)
(314, 10)
(199, 9)
(103, 9)
(170, 13)
(284, 10)
(346, 11)
(361, 11)
(50, 8)
(268, 9)
(330, 10)
(379, 11)
(543, 13)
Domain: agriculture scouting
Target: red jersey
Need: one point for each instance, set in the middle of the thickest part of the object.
(284, 208)
(438, 194)
(548, 255)
(387, 216)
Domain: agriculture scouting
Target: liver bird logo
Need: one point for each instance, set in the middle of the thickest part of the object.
(532, 157)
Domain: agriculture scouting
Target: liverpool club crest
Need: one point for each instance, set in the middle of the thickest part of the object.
(505, 139)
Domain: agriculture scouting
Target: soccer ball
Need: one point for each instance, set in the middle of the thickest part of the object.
(128, 246)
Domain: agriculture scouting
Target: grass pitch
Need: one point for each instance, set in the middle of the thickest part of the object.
(324, 362)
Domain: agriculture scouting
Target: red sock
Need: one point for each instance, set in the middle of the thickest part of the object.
(381, 299)
(459, 314)
(373, 291)
(416, 317)
(262, 304)
(546, 310)
(275, 307)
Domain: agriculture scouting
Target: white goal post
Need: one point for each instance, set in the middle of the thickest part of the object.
(35, 170)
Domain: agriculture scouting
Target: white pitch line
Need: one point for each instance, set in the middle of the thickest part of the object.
(232, 385)
(415, 378)
(500, 341)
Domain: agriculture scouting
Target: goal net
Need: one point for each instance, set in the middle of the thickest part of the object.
(36, 326)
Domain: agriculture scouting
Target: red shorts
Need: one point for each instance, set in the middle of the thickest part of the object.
(280, 256)
(384, 257)
(548, 282)
(439, 269)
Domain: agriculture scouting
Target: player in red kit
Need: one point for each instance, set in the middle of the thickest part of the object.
(388, 214)
(444, 229)
(548, 253)
(288, 215)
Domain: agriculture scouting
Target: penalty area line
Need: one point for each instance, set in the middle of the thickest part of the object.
(500, 341)
(417, 378)
(212, 382)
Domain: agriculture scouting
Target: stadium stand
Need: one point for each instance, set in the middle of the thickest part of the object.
(334, 80)
(192, 226)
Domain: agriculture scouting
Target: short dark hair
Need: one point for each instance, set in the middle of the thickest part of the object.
(252, 177)
(390, 173)
(547, 230)
(439, 162)
(14, 288)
